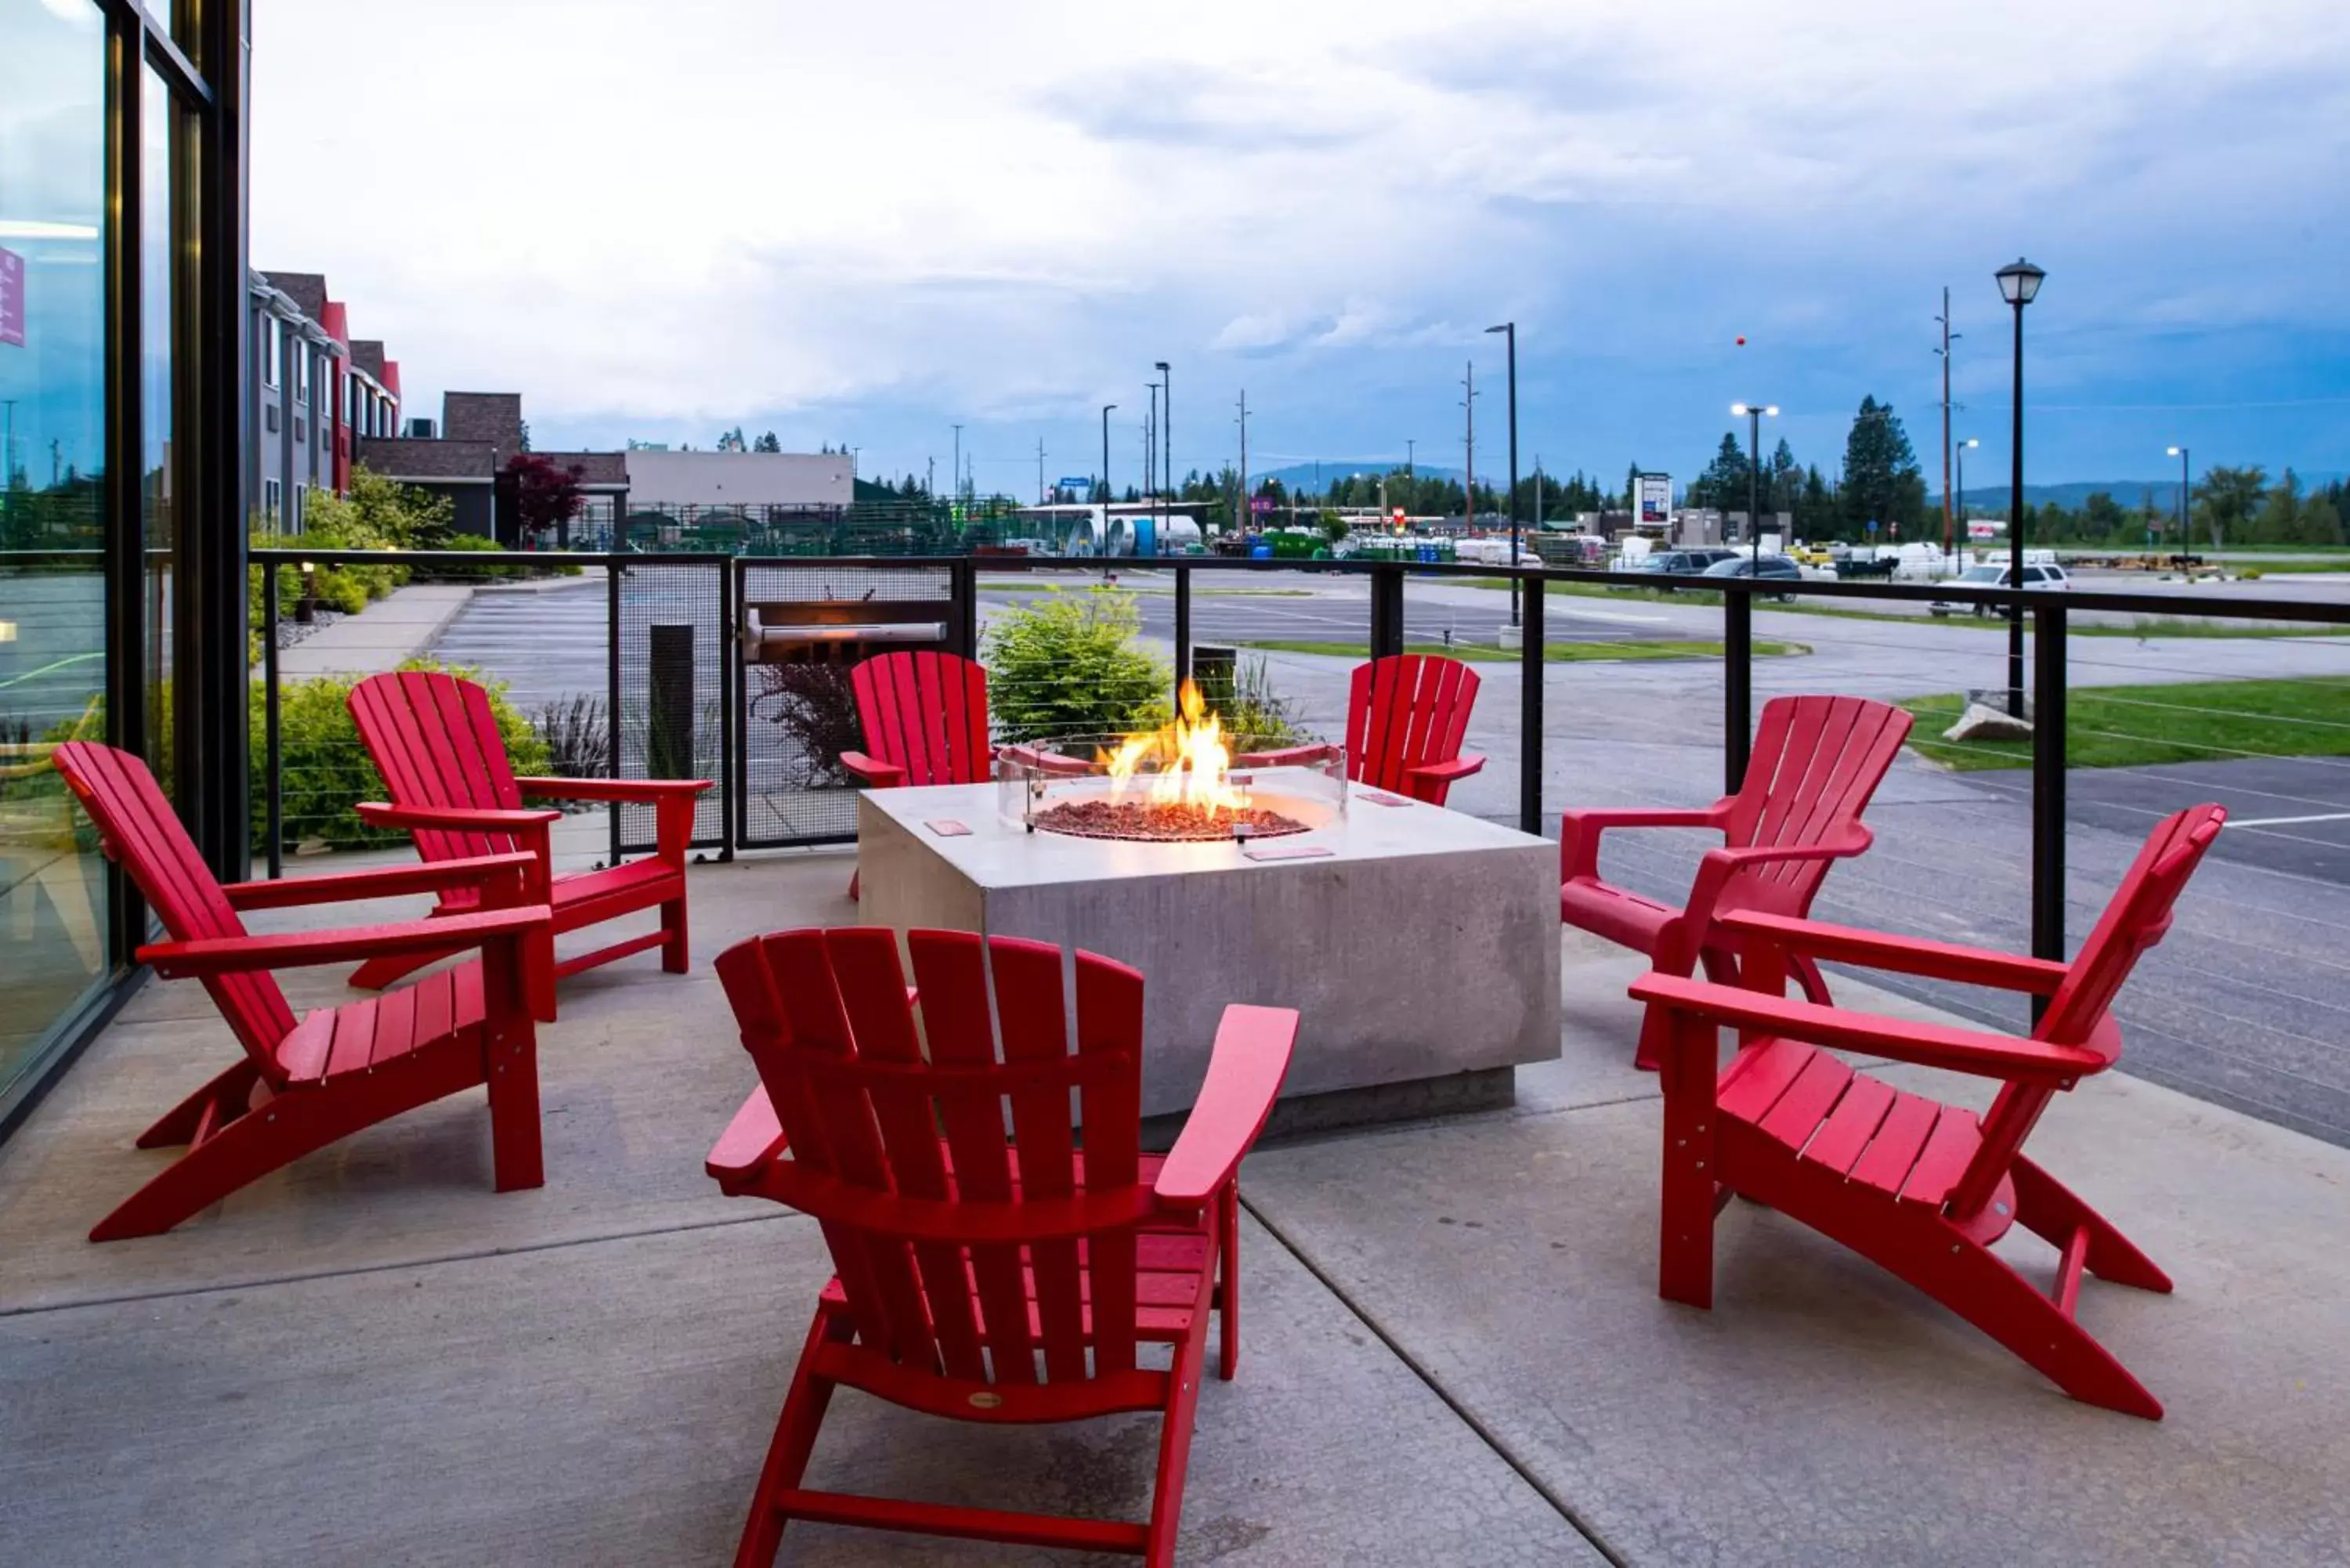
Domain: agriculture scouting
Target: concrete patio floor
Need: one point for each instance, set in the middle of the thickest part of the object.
(1454, 1353)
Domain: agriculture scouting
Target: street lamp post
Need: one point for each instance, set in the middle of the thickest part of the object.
(1101, 540)
(2019, 284)
(1511, 330)
(2180, 453)
(1754, 412)
(1960, 450)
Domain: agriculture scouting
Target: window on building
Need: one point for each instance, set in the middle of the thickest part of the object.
(294, 523)
(273, 348)
(272, 497)
(301, 371)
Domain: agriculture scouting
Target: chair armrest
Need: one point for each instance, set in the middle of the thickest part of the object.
(241, 955)
(1979, 1052)
(751, 1140)
(1460, 767)
(386, 882)
(454, 818)
(1286, 757)
(1579, 831)
(1244, 1072)
(877, 774)
(1903, 955)
(637, 791)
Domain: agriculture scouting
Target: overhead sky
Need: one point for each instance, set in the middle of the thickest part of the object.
(863, 224)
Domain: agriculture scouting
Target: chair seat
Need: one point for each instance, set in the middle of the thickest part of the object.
(360, 1036)
(1816, 1109)
(1618, 914)
(639, 879)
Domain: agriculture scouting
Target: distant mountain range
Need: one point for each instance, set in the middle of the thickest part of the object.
(1313, 474)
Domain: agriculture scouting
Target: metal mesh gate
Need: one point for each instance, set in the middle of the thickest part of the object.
(670, 682)
(802, 629)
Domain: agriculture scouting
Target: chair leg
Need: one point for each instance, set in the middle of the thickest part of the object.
(242, 1152)
(1175, 1451)
(1691, 1171)
(1808, 975)
(1974, 1283)
(674, 935)
(1228, 1285)
(232, 1088)
(516, 1156)
(787, 1454)
(2051, 1210)
(379, 972)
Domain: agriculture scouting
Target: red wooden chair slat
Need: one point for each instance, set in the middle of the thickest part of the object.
(1407, 717)
(1817, 762)
(964, 1256)
(924, 716)
(1922, 1189)
(317, 1077)
(434, 739)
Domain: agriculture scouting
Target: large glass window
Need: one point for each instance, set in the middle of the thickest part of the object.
(161, 230)
(53, 615)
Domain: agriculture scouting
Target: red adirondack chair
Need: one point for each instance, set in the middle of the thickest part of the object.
(1406, 718)
(976, 1270)
(435, 741)
(925, 720)
(1817, 761)
(302, 1085)
(1921, 1188)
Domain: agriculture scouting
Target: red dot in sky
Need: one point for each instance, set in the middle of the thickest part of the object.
(1741, 342)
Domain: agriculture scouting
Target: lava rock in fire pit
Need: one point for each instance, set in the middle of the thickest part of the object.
(1156, 822)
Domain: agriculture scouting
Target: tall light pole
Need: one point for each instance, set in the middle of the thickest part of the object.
(1754, 412)
(1959, 452)
(1468, 441)
(1246, 513)
(1101, 542)
(1511, 330)
(2019, 284)
(1949, 507)
(2180, 453)
(1166, 422)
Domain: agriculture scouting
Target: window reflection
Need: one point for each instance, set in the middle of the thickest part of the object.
(53, 889)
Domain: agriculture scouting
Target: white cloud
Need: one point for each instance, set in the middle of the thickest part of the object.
(728, 209)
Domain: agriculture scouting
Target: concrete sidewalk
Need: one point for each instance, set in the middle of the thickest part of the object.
(395, 629)
(1454, 1350)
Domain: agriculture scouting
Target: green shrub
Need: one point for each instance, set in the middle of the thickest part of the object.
(1071, 666)
(469, 573)
(325, 771)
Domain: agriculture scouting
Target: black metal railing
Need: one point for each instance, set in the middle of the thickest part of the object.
(831, 592)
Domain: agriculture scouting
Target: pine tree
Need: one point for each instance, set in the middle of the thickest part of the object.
(1882, 482)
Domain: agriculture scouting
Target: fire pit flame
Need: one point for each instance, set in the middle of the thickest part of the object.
(1193, 762)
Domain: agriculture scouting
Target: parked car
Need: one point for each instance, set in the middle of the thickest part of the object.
(1777, 566)
(1689, 563)
(2047, 578)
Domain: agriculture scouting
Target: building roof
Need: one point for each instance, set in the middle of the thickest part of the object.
(597, 468)
(491, 417)
(398, 456)
(739, 478)
(367, 353)
(307, 290)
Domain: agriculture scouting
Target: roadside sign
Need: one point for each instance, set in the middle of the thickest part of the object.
(1261, 504)
(1082, 481)
(12, 298)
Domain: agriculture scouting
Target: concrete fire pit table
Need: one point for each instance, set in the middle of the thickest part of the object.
(1422, 948)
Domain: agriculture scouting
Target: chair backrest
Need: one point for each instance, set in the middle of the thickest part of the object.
(1407, 710)
(925, 712)
(137, 828)
(2081, 1012)
(825, 1017)
(434, 738)
(1815, 762)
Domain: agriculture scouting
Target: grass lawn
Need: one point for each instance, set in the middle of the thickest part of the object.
(2130, 726)
(1555, 653)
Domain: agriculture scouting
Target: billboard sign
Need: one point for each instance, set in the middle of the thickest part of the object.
(1082, 481)
(1261, 504)
(1985, 528)
(1656, 499)
(12, 298)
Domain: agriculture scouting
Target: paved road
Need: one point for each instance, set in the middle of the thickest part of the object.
(2248, 1004)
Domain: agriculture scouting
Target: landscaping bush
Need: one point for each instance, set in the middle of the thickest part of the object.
(815, 705)
(1071, 666)
(577, 734)
(325, 771)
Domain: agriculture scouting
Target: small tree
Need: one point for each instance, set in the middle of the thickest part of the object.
(546, 496)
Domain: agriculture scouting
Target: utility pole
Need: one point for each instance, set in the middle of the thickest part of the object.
(955, 474)
(1950, 506)
(1468, 441)
(1247, 508)
(1166, 439)
(930, 477)
(1102, 542)
(1042, 493)
(1408, 446)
